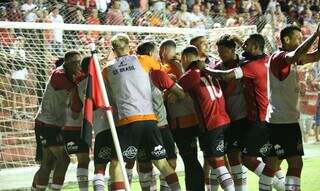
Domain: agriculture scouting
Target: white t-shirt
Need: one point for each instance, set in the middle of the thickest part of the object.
(102, 5)
(57, 33)
(30, 17)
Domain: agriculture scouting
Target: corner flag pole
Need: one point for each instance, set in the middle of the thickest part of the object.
(110, 117)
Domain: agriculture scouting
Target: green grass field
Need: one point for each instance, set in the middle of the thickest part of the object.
(310, 178)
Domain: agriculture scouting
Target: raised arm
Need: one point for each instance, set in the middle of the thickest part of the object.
(225, 75)
(302, 50)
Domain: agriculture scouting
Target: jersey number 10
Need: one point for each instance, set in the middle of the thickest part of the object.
(211, 88)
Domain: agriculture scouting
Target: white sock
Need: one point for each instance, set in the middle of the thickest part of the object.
(239, 174)
(98, 182)
(153, 186)
(259, 169)
(82, 177)
(265, 183)
(213, 181)
(129, 173)
(50, 178)
(163, 184)
(292, 183)
(279, 181)
(56, 187)
(224, 178)
(145, 179)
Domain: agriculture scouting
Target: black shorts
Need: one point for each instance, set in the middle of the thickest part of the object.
(286, 140)
(141, 134)
(234, 134)
(73, 144)
(186, 140)
(212, 142)
(39, 151)
(50, 136)
(168, 143)
(256, 139)
(104, 149)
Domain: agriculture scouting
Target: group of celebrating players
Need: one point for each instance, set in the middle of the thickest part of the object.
(241, 109)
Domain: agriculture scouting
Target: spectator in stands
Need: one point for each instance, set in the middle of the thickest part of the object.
(102, 5)
(14, 13)
(307, 103)
(114, 15)
(208, 18)
(47, 33)
(157, 5)
(19, 75)
(3, 14)
(197, 18)
(124, 6)
(29, 10)
(57, 33)
(182, 18)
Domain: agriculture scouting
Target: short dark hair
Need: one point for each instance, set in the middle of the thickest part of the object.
(168, 43)
(195, 39)
(190, 50)
(258, 40)
(226, 41)
(70, 54)
(145, 48)
(288, 31)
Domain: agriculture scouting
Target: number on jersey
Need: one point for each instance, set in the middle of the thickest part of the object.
(211, 88)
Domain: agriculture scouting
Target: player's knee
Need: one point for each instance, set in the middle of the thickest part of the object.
(144, 167)
(295, 162)
(234, 158)
(130, 164)
(215, 162)
(163, 166)
(100, 168)
(83, 160)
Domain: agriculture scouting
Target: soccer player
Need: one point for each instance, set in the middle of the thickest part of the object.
(147, 52)
(51, 118)
(202, 45)
(209, 103)
(256, 135)
(183, 121)
(71, 134)
(136, 121)
(282, 110)
(236, 108)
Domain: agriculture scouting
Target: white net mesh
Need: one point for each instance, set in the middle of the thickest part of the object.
(28, 53)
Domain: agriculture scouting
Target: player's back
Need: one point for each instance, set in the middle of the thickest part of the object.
(130, 89)
(208, 97)
(255, 82)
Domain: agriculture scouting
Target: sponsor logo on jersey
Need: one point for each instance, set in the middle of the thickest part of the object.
(279, 151)
(130, 152)
(158, 151)
(265, 149)
(105, 153)
(220, 146)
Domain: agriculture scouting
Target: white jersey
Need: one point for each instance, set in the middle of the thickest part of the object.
(52, 109)
(130, 89)
(283, 98)
(76, 123)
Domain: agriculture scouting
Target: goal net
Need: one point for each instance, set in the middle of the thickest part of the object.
(29, 52)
